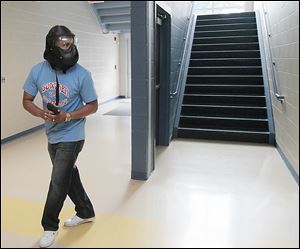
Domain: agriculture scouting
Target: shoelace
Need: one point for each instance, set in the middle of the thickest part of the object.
(49, 234)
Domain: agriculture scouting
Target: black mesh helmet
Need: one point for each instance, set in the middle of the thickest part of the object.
(58, 57)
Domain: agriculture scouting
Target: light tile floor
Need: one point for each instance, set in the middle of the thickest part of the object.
(201, 194)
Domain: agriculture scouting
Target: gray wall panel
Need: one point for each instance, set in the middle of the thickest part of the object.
(142, 43)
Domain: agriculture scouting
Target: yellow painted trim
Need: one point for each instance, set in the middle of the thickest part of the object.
(23, 217)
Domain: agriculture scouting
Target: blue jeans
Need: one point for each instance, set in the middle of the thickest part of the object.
(65, 181)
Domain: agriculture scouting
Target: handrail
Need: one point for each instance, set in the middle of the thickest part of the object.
(278, 96)
(265, 58)
(184, 69)
(188, 33)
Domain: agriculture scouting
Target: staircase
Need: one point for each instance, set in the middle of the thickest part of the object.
(224, 97)
(113, 16)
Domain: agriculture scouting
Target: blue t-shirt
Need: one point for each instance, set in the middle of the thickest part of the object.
(76, 88)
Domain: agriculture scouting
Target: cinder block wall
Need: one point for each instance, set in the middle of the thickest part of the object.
(283, 19)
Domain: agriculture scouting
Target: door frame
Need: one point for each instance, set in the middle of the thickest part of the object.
(165, 69)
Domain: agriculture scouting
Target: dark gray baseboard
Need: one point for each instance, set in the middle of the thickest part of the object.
(21, 134)
(112, 99)
(288, 164)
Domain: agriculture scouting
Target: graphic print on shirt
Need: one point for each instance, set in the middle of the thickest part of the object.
(49, 93)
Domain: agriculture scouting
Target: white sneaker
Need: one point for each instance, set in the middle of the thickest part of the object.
(48, 238)
(77, 221)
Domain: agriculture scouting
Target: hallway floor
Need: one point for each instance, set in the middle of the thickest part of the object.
(201, 194)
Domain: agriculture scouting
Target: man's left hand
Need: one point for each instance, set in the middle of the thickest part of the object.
(49, 116)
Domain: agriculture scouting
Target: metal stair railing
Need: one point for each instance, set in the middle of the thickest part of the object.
(266, 21)
(183, 69)
(186, 51)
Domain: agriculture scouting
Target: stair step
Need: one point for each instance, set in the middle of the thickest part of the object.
(228, 135)
(120, 11)
(224, 89)
(225, 71)
(224, 100)
(225, 16)
(221, 118)
(225, 62)
(225, 47)
(225, 79)
(225, 54)
(226, 33)
(240, 124)
(224, 111)
(235, 26)
(226, 21)
(232, 39)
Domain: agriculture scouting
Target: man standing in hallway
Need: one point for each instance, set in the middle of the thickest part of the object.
(68, 94)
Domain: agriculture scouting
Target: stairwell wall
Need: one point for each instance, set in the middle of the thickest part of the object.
(24, 26)
(180, 12)
(283, 19)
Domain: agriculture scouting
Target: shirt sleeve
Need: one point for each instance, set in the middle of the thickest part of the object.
(87, 91)
(30, 84)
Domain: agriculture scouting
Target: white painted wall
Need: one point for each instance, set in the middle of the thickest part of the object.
(24, 26)
(283, 18)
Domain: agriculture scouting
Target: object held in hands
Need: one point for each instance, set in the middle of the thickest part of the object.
(53, 108)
